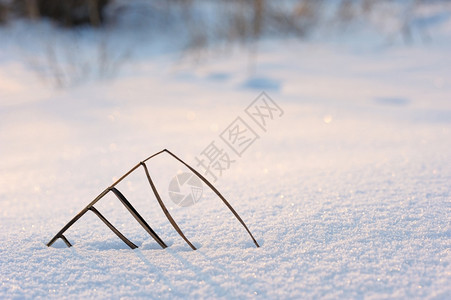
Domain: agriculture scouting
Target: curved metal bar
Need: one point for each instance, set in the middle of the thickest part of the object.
(165, 210)
(138, 217)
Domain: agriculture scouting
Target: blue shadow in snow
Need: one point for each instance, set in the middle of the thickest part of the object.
(392, 101)
(262, 84)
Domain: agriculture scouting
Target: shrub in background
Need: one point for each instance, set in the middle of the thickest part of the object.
(65, 12)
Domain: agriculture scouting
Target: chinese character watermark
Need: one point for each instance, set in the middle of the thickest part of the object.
(214, 159)
(262, 110)
(239, 136)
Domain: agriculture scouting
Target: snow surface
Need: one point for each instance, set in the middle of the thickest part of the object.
(348, 192)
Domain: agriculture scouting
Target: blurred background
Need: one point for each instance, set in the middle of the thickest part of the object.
(102, 79)
(348, 190)
(119, 32)
(108, 82)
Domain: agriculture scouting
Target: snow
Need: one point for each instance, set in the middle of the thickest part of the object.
(348, 193)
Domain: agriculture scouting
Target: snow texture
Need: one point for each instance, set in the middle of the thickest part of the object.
(348, 192)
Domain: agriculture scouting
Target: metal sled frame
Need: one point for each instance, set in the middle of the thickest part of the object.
(136, 215)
